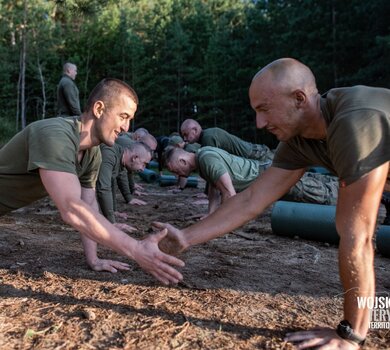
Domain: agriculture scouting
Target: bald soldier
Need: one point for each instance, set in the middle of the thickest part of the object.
(346, 130)
(228, 174)
(192, 132)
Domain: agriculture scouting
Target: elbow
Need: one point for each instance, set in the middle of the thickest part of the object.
(70, 213)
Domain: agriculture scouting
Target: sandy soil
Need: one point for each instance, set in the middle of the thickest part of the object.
(241, 291)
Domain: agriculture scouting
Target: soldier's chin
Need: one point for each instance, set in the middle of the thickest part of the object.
(109, 142)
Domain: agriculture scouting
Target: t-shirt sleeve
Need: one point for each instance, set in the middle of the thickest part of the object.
(360, 144)
(51, 148)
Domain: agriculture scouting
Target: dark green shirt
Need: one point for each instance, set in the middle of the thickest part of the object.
(68, 102)
(110, 169)
(232, 144)
(51, 144)
(358, 135)
(192, 147)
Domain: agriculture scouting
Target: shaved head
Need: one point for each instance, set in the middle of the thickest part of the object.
(149, 140)
(285, 98)
(189, 123)
(286, 75)
(190, 130)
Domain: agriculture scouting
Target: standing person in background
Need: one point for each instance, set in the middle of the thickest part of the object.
(68, 101)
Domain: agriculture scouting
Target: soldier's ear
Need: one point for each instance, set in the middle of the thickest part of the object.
(98, 109)
(300, 98)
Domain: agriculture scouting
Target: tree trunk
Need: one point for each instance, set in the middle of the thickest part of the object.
(23, 69)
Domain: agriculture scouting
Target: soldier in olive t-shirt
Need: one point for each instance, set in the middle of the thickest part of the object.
(213, 163)
(50, 144)
(347, 130)
(312, 188)
(216, 137)
(110, 169)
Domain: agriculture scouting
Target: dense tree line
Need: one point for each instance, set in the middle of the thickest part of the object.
(185, 58)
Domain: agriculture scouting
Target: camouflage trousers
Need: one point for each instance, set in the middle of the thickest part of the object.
(262, 153)
(314, 188)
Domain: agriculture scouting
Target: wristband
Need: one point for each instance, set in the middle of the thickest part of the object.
(345, 331)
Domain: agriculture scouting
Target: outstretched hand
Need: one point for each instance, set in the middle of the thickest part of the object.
(136, 201)
(153, 260)
(108, 265)
(174, 242)
(320, 339)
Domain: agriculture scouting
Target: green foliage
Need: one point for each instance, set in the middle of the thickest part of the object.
(187, 58)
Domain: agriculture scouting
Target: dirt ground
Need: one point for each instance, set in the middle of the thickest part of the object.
(241, 291)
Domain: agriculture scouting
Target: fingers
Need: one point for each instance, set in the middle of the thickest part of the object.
(166, 277)
(171, 260)
(158, 225)
(110, 266)
(167, 272)
(157, 237)
(162, 225)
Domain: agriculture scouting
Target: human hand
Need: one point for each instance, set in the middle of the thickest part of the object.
(153, 260)
(139, 193)
(174, 242)
(135, 201)
(121, 215)
(320, 339)
(138, 187)
(107, 265)
(125, 227)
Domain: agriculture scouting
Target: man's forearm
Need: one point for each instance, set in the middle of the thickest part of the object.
(243, 207)
(91, 223)
(90, 249)
(357, 276)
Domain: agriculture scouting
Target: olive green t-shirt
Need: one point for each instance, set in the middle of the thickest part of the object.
(217, 137)
(50, 144)
(358, 135)
(192, 147)
(110, 169)
(214, 162)
(232, 144)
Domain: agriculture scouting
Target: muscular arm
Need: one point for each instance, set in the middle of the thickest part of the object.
(241, 208)
(65, 190)
(222, 190)
(356, 215)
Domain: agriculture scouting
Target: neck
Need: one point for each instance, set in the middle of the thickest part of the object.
(88, 138)
(315, 121)
(192, 161)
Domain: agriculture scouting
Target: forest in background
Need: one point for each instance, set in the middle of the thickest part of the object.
(185, 58)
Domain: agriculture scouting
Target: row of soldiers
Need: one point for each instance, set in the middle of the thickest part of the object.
(227, 163)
